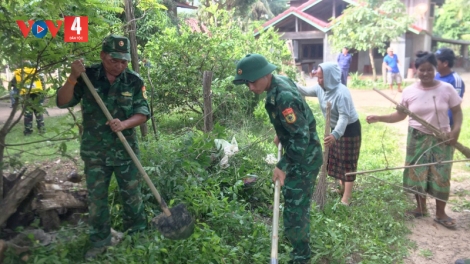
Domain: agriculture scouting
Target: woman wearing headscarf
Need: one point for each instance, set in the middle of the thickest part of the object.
(429, 99)
(345, 138)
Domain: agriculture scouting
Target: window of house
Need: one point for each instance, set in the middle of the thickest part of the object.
(312, 51)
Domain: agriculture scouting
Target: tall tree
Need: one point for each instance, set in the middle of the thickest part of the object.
(452, 21)
(370, 25)
(145, 6)
(241, 7)
(261, 10)
(131, 31)
(278, 6)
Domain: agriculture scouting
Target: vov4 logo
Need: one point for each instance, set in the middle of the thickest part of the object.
(75, 28)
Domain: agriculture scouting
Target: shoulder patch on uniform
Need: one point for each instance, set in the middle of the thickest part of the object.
(144, 92)
(289, 115)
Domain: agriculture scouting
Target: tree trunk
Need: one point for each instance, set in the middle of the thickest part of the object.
(3, 135)
(372, 64)
(2, 149)
(206, 86)
(131, 29)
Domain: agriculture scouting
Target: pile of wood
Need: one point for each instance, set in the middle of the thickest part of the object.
(28, 197)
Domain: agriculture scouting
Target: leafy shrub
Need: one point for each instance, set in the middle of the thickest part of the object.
(180, 56)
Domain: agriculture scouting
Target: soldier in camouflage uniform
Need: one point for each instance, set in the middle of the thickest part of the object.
(123, 93)
(296, 129)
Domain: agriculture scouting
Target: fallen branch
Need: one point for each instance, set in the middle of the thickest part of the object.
(435, 131)
(412, 190)
(406, 167)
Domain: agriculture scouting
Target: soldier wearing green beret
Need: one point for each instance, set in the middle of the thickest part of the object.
(296, 129)
(123, 93)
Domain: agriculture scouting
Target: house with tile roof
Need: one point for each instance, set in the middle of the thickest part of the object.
(307, 23)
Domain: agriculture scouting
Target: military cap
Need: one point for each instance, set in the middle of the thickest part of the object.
(117, 46)
(252, 68)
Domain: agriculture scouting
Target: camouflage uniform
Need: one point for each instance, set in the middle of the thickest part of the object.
(104, 154)
(296, 128)
(33, 98)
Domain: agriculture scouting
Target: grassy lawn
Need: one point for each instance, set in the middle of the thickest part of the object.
(60, 139)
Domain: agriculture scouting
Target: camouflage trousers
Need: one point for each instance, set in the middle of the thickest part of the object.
(298, 191)
(98, 178)
(33, 105)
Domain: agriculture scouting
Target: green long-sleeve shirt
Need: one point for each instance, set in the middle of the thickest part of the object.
(295, 126)
(124, 98)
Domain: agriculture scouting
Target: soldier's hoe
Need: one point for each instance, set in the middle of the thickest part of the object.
(174, 223)
(275, 235)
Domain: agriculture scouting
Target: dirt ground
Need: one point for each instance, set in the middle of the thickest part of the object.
(435, 244)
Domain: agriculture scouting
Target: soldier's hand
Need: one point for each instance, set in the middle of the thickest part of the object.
(116, 125)
(278, 174)
(77, 68)
(276, 140)
(329, 140)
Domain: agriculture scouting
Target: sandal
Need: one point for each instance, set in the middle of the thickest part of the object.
(416, 214)
(447, 222)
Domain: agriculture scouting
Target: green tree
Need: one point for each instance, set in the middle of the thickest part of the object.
(181, 56)
(261, 10)
(369, 25)
(241, 7)
(278, 6)
(452, 21)
(49, 54)
(132, 35)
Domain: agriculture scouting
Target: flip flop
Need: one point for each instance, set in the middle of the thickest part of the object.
(415, 214)
(447, 222)
(462, 261)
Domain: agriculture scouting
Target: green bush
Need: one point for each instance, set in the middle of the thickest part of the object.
(180, 57)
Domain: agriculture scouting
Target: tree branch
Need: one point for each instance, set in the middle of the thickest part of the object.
(38, 141)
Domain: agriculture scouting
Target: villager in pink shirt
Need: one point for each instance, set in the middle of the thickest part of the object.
(429, 99)
(431, 104)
